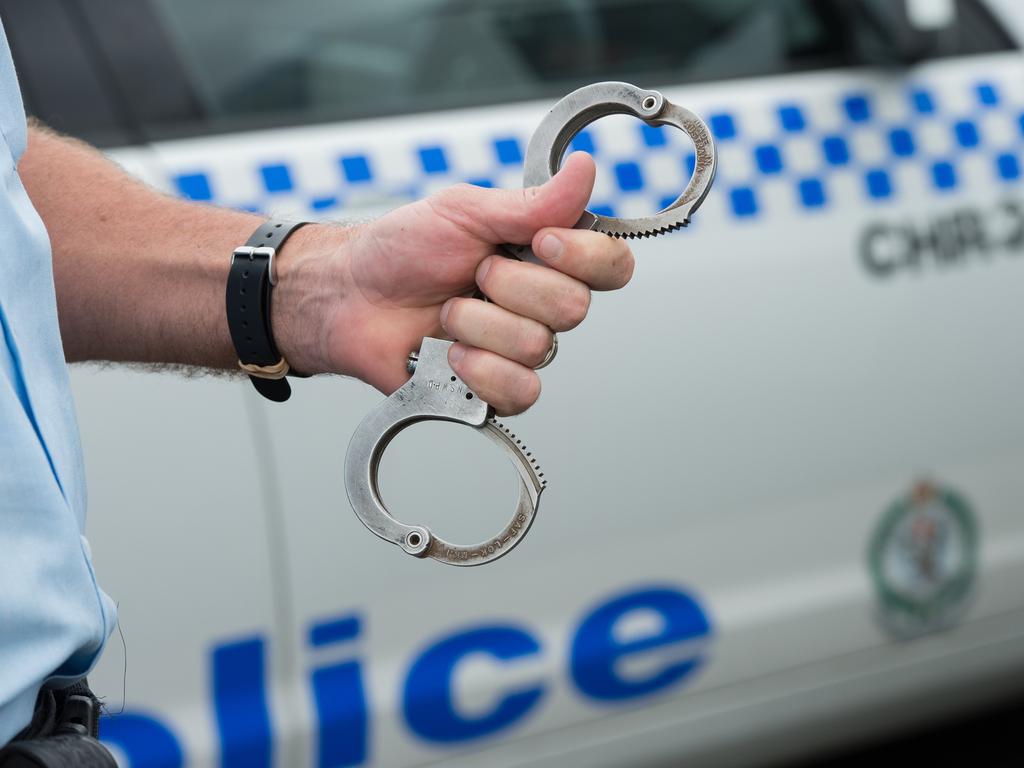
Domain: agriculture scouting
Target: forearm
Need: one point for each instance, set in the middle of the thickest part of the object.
(141, 276)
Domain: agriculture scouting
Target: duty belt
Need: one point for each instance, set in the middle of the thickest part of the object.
(63, 732)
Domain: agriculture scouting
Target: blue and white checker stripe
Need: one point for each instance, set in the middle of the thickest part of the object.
(810, 146)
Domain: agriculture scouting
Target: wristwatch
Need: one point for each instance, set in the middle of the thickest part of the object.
(251, 282)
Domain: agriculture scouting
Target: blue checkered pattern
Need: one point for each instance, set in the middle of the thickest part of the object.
(808, 155)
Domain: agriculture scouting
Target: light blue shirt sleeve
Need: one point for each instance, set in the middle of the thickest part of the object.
(54, 619)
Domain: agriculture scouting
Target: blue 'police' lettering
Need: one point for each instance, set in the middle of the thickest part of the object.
(596, 651)
(340, 699)
(240, 696)
(240, 704)
(427, 699)
(144, 740)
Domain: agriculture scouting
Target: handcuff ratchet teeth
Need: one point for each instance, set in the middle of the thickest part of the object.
(435, 393)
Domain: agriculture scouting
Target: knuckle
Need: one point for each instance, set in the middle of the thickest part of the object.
(508, 409)
(613, 264)
(514, 389)
(456, 204)
(523, 391)
(626, 264)
(455, 309)
(460, 190)
(529, 390)
(485, 281)
(535, 346)
(529, 195)
(572, 308)
(448, 197)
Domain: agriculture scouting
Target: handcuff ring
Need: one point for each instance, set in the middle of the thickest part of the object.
(435, 392)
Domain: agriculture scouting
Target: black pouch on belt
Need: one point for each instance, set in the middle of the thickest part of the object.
(62, 733)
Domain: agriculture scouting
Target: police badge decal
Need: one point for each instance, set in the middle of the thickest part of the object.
(923, 557)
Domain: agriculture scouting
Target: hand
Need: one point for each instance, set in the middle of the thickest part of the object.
(410, 274)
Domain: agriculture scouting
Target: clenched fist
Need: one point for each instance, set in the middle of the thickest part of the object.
(357, 301)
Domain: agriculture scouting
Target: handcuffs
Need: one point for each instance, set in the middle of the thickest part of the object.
(435, 393)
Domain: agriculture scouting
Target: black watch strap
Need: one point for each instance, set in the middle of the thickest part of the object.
(251, 281)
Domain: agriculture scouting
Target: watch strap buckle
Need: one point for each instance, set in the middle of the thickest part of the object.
(250, 252)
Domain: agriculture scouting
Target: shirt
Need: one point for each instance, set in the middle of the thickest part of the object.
(54, 619)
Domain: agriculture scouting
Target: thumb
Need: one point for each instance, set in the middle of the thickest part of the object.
(515, 215)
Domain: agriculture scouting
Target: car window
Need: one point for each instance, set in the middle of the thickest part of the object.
(244, 64)
(263, 62)
(58, 73)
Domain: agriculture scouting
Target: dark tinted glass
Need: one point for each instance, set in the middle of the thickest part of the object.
(242, 64)
(266, 62)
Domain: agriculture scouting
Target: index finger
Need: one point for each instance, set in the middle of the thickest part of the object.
(603, 262)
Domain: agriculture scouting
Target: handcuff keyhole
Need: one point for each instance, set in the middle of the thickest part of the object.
(649, 102)
(414, 539)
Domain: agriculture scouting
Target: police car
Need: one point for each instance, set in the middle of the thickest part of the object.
(786, 506)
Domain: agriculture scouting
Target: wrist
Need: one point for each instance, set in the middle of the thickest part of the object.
(311, 272)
